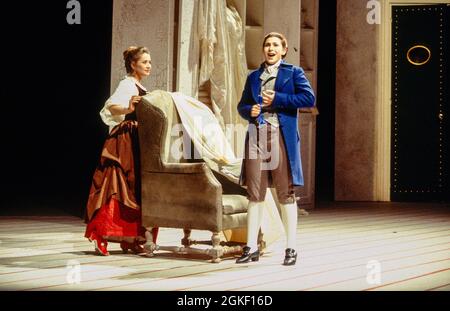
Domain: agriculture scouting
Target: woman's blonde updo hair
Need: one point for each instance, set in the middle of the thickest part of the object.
(280, 36)
(132, 54)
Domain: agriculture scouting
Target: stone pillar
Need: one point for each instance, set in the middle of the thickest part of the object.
(188, 52)
(147, 23)
(356, 98)
(284, 17)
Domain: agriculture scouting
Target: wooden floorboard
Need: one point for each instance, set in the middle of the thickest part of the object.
(429, 281)
(445, 287)
(338, 244)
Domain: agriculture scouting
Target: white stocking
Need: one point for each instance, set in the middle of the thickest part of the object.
(254, 219)
(289, 217)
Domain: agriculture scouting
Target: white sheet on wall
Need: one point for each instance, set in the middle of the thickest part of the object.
(222, 57)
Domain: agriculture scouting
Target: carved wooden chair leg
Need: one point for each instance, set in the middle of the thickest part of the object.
(217, 250)
(186, 241)
(261, 242)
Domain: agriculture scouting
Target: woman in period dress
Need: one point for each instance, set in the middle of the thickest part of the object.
(113, 212)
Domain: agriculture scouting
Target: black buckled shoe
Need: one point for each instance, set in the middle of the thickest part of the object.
(247, 256)
(290, 258)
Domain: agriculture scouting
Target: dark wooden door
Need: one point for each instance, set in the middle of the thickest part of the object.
(420, 103)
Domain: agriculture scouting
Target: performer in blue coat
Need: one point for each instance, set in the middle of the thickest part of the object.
(270, 101)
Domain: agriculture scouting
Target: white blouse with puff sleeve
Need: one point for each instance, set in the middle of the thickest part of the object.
(121, 96)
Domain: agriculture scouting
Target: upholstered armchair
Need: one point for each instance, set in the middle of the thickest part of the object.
(179, 194)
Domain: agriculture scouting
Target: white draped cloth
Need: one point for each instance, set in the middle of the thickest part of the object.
(222, 57)
(210, 141)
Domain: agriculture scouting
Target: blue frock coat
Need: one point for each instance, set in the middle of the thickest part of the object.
(292, 91)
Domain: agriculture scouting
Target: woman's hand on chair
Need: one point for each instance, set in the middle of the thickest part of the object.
(134, 100)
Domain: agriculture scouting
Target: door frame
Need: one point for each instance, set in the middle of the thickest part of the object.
(383, 106)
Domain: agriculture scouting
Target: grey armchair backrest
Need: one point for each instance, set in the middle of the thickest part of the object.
(174, 194)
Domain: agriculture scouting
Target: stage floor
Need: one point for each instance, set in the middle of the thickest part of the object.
(343, 246)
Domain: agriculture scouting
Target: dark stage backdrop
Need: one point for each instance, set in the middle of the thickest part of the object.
(326, 90)
(58, 77)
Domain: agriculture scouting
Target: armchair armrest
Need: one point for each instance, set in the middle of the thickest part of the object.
(185, 195)
(184, 168)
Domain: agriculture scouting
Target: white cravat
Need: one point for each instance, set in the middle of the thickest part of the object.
(271, 68)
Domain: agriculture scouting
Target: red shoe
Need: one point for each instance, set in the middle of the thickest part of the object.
(134, 247)
(100, 245)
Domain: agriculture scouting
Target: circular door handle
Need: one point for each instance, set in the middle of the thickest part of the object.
(418, 55)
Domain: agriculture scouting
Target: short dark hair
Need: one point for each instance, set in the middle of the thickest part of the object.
(279, 36)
